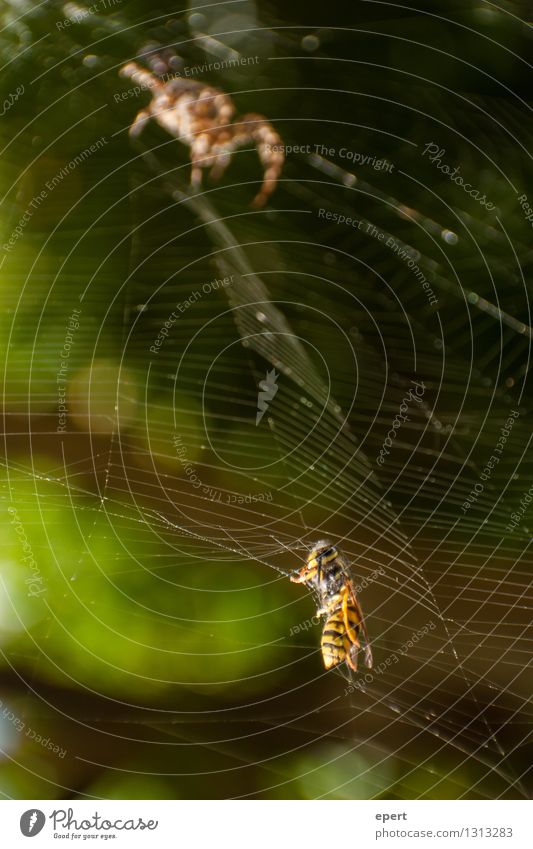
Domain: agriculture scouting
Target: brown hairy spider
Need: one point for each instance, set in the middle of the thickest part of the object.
(200, 116)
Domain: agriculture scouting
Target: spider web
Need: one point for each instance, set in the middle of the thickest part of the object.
(345, 323)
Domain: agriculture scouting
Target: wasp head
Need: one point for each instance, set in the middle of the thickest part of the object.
(321, 554)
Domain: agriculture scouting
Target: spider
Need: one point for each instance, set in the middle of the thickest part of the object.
(200, 116)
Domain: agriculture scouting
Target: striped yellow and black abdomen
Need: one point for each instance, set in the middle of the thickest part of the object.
(336, 642)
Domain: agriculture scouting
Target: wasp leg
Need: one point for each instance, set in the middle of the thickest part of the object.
(351, 656)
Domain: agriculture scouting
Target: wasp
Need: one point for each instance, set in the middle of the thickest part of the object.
(327, 573)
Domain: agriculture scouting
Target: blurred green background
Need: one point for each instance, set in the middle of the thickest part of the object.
(144, 660)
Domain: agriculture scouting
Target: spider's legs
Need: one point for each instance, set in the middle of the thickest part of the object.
(269, 184)
(200, 158)
(221, 163)
(196, 176)
(257, 129)
(141, 120)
